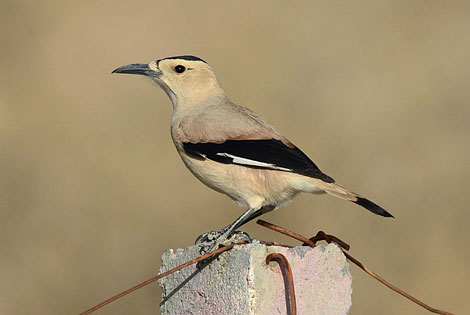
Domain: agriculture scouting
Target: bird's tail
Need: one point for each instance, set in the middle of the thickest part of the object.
(344, 193)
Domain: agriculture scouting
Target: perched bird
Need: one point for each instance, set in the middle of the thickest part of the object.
(232, 149)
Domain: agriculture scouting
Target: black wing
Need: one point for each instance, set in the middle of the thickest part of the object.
(270, 154)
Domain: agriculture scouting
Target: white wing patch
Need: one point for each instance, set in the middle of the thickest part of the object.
(248, 162)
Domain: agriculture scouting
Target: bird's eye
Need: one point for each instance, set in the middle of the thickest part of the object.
(180, 68)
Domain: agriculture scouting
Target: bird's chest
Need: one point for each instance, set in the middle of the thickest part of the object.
(247, 186)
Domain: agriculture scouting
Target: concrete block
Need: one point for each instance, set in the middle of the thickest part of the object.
(240, 282)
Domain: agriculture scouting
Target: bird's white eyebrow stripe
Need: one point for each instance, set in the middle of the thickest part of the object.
(245, 161)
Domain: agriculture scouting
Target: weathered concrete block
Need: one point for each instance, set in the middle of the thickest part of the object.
(240, 282)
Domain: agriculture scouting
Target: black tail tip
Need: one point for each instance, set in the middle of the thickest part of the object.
(372, 207)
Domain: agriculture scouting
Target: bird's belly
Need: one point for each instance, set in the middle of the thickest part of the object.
(248, 187)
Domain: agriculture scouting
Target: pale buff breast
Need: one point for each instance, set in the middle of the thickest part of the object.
(249, 187)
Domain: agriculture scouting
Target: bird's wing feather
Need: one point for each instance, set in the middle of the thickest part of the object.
(263, 153)
(232, 134)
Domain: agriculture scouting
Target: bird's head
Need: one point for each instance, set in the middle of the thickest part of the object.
(186, 79)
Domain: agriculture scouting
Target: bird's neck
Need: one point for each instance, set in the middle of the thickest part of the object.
(185, 103)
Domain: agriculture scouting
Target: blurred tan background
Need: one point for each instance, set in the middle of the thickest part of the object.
(92, 190)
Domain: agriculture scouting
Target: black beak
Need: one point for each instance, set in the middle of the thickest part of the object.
(137, 68)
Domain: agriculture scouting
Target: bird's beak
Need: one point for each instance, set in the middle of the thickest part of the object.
(138, 68)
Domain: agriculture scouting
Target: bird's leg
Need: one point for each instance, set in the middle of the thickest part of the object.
(212, 240)
(257, 213)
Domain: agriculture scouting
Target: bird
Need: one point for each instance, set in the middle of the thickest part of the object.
(232, 149)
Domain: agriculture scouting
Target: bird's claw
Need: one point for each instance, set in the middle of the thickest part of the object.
(208, 237)
(212, 240)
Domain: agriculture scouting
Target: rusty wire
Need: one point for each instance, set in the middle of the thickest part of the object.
(286, 232)
(288, 280)
(310, 242)
(162, 275)
(322, 236)
(330, 238)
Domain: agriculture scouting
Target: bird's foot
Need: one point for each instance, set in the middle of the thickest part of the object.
(212, 240)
